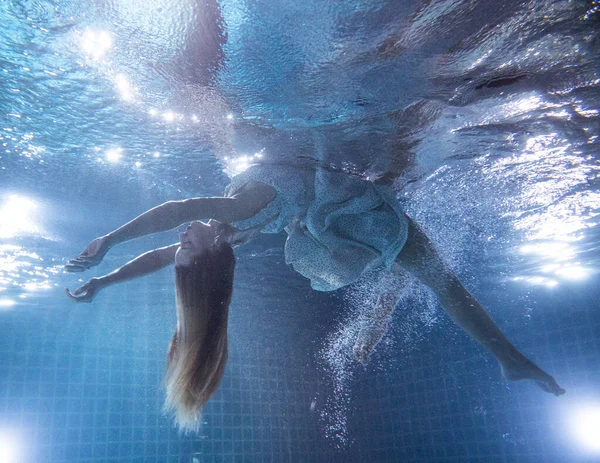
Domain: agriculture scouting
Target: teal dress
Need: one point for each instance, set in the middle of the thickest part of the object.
(338, 225)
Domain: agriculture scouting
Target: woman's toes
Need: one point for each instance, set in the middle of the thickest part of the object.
(361, 354)
(552, 387)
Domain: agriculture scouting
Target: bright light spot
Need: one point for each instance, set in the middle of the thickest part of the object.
(156, 154)
(562, 114)
(230, 117)
(6, 304)
(9, 449)
(194, 118)
(238, 165)
(36, 286)
(125, 88)
(153, 112)
(16, 216)
(585, 427)
(586, 112)
(527, 104)
(562, 220)
(541, 142)
(169, 116)
(114, 155)
(138, 164)
(95, 43)
(572, 272)
(537, 280)
(550, 268)
(557, 250)
(480, 60)
(9, 248)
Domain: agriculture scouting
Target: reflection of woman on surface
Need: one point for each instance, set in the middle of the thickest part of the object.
(338, 226)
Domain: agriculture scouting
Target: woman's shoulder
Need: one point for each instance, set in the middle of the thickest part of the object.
(283, 178)
(256, 193)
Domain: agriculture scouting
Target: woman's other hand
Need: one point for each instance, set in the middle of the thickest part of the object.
(86, 292)
(90, 257)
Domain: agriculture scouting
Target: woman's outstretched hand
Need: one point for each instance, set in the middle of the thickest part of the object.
(86, 292)
(90, 257)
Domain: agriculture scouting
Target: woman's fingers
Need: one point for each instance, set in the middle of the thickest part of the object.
(81, 290)
(79, 264)
(75, 267)
(90, 257)
(79, 261)
(77, 296)
(81, 258)
(74, 294)
(71, 295)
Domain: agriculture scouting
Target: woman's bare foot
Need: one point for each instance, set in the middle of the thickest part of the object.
(362, 352)
(369, 336)
(374, 326)
(526, 369)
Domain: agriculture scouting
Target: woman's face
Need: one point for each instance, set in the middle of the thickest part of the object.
(195, 239)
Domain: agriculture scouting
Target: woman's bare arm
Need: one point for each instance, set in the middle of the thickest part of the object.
(143, 264)
(250, 200)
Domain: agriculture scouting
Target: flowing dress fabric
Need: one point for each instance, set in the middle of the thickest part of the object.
(338, 225)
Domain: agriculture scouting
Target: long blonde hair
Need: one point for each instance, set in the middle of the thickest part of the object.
(198, 351)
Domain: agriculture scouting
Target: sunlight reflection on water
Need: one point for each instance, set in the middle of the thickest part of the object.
(17, 216)
(555, 205)
(95, 43)
(22, 270)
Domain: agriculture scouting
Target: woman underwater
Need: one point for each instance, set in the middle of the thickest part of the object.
(338, 227)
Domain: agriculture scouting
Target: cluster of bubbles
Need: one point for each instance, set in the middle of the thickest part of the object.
(338, 356)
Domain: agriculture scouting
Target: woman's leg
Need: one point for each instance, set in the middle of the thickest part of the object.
(421, 259)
